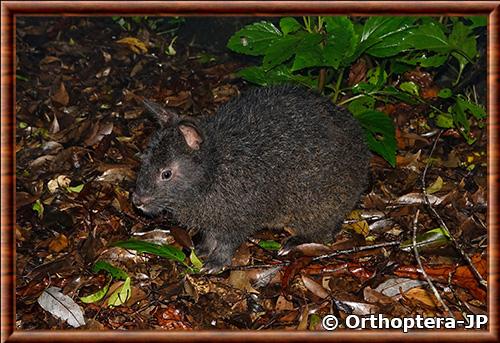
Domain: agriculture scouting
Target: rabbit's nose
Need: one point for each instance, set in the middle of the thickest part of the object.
(140, 201)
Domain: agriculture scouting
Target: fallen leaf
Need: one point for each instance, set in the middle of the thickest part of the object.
(61, 95)
(304, 316)
(313, 249)
(357, 73)
(461, 276)
(356, 307)
(54, 126)
(23, 198)
(436, 186)
(58, 244)
(171, 318)
(120, 292)
(283, 305)
(117, 174)
(359, 225)
(394, 286)
(373, 296)
(239, 279)
(98, 131)
(417, 199)
(314, 287)
(61, 306)
(423, 296)
(134, 44)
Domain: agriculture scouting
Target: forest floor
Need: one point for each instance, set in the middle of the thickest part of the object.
(80, 130)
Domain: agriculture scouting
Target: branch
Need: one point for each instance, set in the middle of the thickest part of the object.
(456, 245)
(421, 267)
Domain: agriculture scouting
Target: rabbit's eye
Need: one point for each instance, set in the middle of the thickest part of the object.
(166, 175)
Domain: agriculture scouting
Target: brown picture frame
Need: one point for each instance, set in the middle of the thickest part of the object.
(11, 9)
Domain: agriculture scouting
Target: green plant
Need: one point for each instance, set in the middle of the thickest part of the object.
(166, 251)
(121, 294)
(161, 25)
(317, 52)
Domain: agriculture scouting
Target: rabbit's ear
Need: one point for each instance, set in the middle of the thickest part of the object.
(166, 117)
(192, 135)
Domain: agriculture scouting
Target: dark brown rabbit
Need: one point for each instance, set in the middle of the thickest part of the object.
(272, 157)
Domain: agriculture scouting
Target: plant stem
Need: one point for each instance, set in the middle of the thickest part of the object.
(321, 79)
(320, 24)
(336, 92)
(350, 99)
(307, 23)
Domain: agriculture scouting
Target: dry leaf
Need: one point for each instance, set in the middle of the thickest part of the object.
(58, 244)
(361, 226)
(61, 95)
(315, 287)
(436, 186)
(61, 306)
(283, 305)
(422, 295)
(239, 279)
(392, 287)
(134, 44)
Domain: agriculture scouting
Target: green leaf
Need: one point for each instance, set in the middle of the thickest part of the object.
(425, 61)
(396, 93)
(22, 78)
(380, 134)
(429, 36)
(393, 43)
(341, 40)
(478, 21)
(255, 75)
(314, 321)
(363, 87)
(280, 51)
(383, 36)
(95, 297)
(270, 245)
(195, 261)
(445, 93)
(289, 25)
(410, 87)
(399, 67)
(377, 76)
(461, 121)
(280, 74)
(361, 104)
(38, 208)
(309, 53)
(308, 58)
(170, 50)
(121, 295)
(476, 110)
(115, 272)
(431, 239)
(75, 189)
(444, 120)
(254, 39)
(459, 116)
(167, 251)
(461, 39)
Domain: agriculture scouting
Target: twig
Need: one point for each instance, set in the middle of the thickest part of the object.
(421, 267)
(259, 266)
(457, 246)
(355, 250)
(319, 258)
